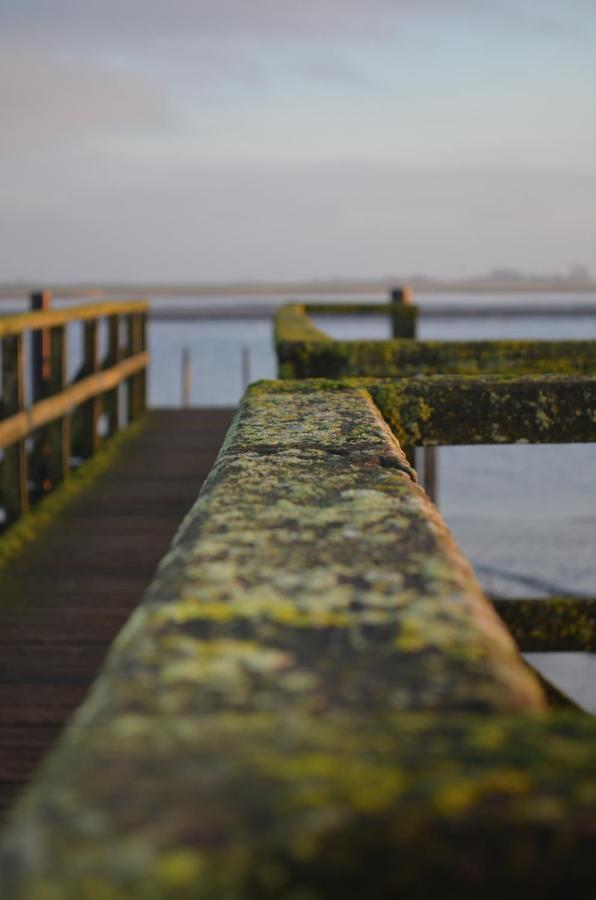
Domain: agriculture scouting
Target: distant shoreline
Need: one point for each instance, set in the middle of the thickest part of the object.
(251, 289)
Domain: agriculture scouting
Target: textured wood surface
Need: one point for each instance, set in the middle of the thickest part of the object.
(65, 598)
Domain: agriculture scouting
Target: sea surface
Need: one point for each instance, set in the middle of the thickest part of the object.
(524, 515)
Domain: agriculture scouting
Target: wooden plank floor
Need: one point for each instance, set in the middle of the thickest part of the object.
(65, 598)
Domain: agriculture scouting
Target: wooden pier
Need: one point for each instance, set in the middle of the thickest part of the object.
(64, 599)
(312, 697)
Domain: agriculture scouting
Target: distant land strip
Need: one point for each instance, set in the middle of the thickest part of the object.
(287, 288)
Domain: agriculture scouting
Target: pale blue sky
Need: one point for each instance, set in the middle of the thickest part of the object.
(228, 139)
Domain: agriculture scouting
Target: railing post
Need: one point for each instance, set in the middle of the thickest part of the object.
(136, 383)
(112, 398)
(41, 352)
(404, 313)
(143, 374)
(404, 319)
(403, 325)
(15, 494)
(91, 409)
(58, 433)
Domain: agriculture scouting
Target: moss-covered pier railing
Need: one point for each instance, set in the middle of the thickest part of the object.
(314, 700)
(304, 351)
(63, 421)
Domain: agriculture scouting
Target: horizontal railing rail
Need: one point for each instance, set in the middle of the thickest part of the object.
(68, 415)
(51, 318)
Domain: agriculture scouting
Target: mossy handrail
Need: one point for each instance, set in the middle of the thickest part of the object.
(305, 351)
(64, 419)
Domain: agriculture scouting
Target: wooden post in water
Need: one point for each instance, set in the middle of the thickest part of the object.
(15, 494)
(245, 367)
(186, 378)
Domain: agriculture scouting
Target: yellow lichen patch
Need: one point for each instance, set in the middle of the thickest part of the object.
(178, 868)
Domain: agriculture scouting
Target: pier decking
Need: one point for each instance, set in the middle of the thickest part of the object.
(67, 595)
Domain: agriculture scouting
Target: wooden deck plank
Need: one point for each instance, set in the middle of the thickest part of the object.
(65, 597)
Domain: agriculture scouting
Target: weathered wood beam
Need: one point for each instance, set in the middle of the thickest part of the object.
(532, 409)
(16, 324)
(547, 624)
(305, 351)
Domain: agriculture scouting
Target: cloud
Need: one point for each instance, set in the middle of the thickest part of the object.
(44, 98)
(133, 21)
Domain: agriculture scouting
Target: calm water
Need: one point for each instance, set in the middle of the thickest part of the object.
(525, 516)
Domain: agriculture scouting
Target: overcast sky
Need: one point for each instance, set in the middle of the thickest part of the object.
(280, 139)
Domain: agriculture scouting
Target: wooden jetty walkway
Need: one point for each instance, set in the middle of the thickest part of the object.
(314, 697)
(65, 598)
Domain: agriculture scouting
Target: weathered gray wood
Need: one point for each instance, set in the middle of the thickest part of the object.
(15, 495)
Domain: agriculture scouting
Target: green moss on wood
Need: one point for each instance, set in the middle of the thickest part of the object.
(276, 805)
(489, 410)
(305, 352)
(551, 623)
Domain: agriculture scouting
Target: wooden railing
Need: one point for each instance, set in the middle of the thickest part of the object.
(66, 419)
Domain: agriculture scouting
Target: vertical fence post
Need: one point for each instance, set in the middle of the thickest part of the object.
(143, 373)
(41, 373)
(404, 319)
(15, 495)
(134, 384)
(112, 398)
(91, 409)
(185, 378)
(41, 358)
(431, 480)
(58, 433)
(404, 313)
